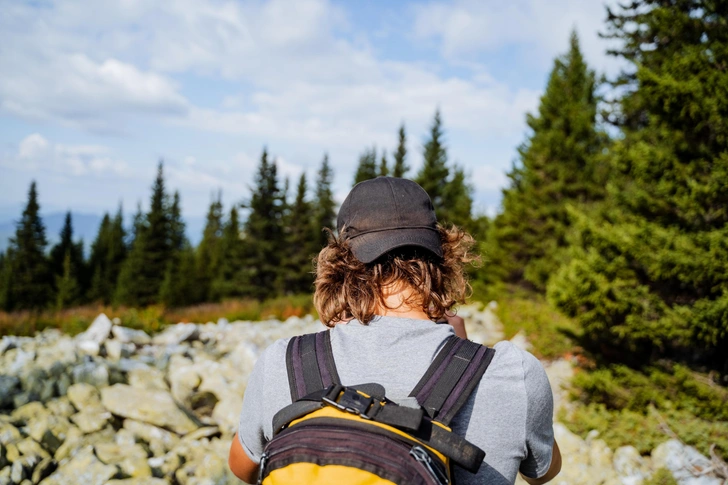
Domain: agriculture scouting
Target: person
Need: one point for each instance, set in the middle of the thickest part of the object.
(382, 285)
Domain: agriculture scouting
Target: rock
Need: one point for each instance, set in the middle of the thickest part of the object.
(204, 432)
(88, 347)
(98, 331)
(9, 385)
(83, 468)
(686, 464)
(85, 397)
(151, 406)
(138, 481)
(29, 412)
(93, 373)
(44, 469)
(91, 421)
(113, 349)
(629, 465)
(520, 341)
(125, 438)
(148, 378)
(165, 465)
(29, 447)
(227, 413)
(5, 476)
(130, 335)
(111, 453)
(176, 334)
(160, 440)
(61, 407)
(9, 434)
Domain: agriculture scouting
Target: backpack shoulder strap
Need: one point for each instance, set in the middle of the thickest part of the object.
(310, 364)
(451, 378)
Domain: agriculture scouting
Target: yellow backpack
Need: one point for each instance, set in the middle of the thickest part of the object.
(334, 434)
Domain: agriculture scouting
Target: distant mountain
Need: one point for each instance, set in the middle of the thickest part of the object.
(85, 226)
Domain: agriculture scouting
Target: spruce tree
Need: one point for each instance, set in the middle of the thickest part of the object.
(400, 165)
(5, 275)
(451, 195)
(324, 209)
(66, 248)
(296, 266)
(367, 166)
(30, 286)
(209, 250)
(144, 270)
(67, 287)
(179, 286)
(557, 167)
(383, 166)
(263, 232)
(229, 281)
(107, 255)
(648, 271)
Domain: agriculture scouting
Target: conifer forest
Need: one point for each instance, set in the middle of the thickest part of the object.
(614, 223)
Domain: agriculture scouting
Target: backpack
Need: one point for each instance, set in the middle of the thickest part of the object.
(334, 434)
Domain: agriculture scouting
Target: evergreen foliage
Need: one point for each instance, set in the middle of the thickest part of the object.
(108, 252)
(144, 270)
(67, 287)
(400, 166)
(324, 207)
(229, 281)
(209, 251)
(649, 272)
(367, 167)
(179, 285)
(451, 195)
(30, 286)
(383, 165)
(296, 265)
(263, 232)
(557, 166)
(66, 248)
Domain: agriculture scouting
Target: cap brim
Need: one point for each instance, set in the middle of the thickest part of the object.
(371, 246)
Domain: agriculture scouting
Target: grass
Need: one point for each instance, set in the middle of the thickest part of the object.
(153, 318)
(549, 332)
(646, 407)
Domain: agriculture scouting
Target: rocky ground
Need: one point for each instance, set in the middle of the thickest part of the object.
(115, 405)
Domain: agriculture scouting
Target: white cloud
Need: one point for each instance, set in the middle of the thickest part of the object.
(36, 154)
(465, 27)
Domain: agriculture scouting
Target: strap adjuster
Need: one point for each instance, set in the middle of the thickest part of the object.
(350, 401)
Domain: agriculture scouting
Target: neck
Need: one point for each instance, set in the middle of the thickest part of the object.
(401, 302)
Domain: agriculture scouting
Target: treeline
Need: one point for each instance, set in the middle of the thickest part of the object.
(629, 234)
(260, 248)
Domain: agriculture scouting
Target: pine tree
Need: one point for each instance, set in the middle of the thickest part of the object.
(108, 252)
(648, 270)
(263, 232)
(367, 167)
(400, 166)
(457, 200)
(144, 270)
(229, 281)
(383, 167)
(209, 250)
(5, 274)
(557, 167)
(296, 265)
(74, 251)
(324, 210)
(30, 286)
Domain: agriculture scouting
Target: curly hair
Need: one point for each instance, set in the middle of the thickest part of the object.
(346, 288)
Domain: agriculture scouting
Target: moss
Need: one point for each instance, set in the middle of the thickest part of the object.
(661, 477)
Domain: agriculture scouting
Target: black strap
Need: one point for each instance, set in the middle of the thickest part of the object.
(310, 363)
(451, 378)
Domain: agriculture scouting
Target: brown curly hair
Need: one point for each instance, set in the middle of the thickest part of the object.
(346, 288)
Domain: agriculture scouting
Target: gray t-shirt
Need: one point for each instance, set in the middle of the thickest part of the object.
(509, 415)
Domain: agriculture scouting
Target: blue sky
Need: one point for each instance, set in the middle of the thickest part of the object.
(94, 93)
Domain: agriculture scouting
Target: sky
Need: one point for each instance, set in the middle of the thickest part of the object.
(94, 93)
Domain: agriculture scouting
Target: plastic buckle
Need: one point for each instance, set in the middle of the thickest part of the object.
(351, 402)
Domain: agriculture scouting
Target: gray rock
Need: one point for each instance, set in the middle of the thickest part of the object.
(9, 434)
(5, 476)
(93, 373)
(84, 397)
(130, 335)
(148, 378)
(150, 406)
(176, 334)
(88, 347)
(9, 385)
(686, 464)
(83, 468)
(629, 464)
(160, 440)
(43, 469)
(138, 481)
(91, 421)
(98, 331)
(112, 453)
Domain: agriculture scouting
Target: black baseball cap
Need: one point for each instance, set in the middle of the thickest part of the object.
(386, 213)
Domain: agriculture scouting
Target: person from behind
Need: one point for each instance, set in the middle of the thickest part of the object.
(382, 285)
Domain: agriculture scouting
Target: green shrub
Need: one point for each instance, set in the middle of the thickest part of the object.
(661, 477)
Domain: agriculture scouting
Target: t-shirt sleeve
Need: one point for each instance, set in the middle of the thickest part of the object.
(251, 429)
(539, 418)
